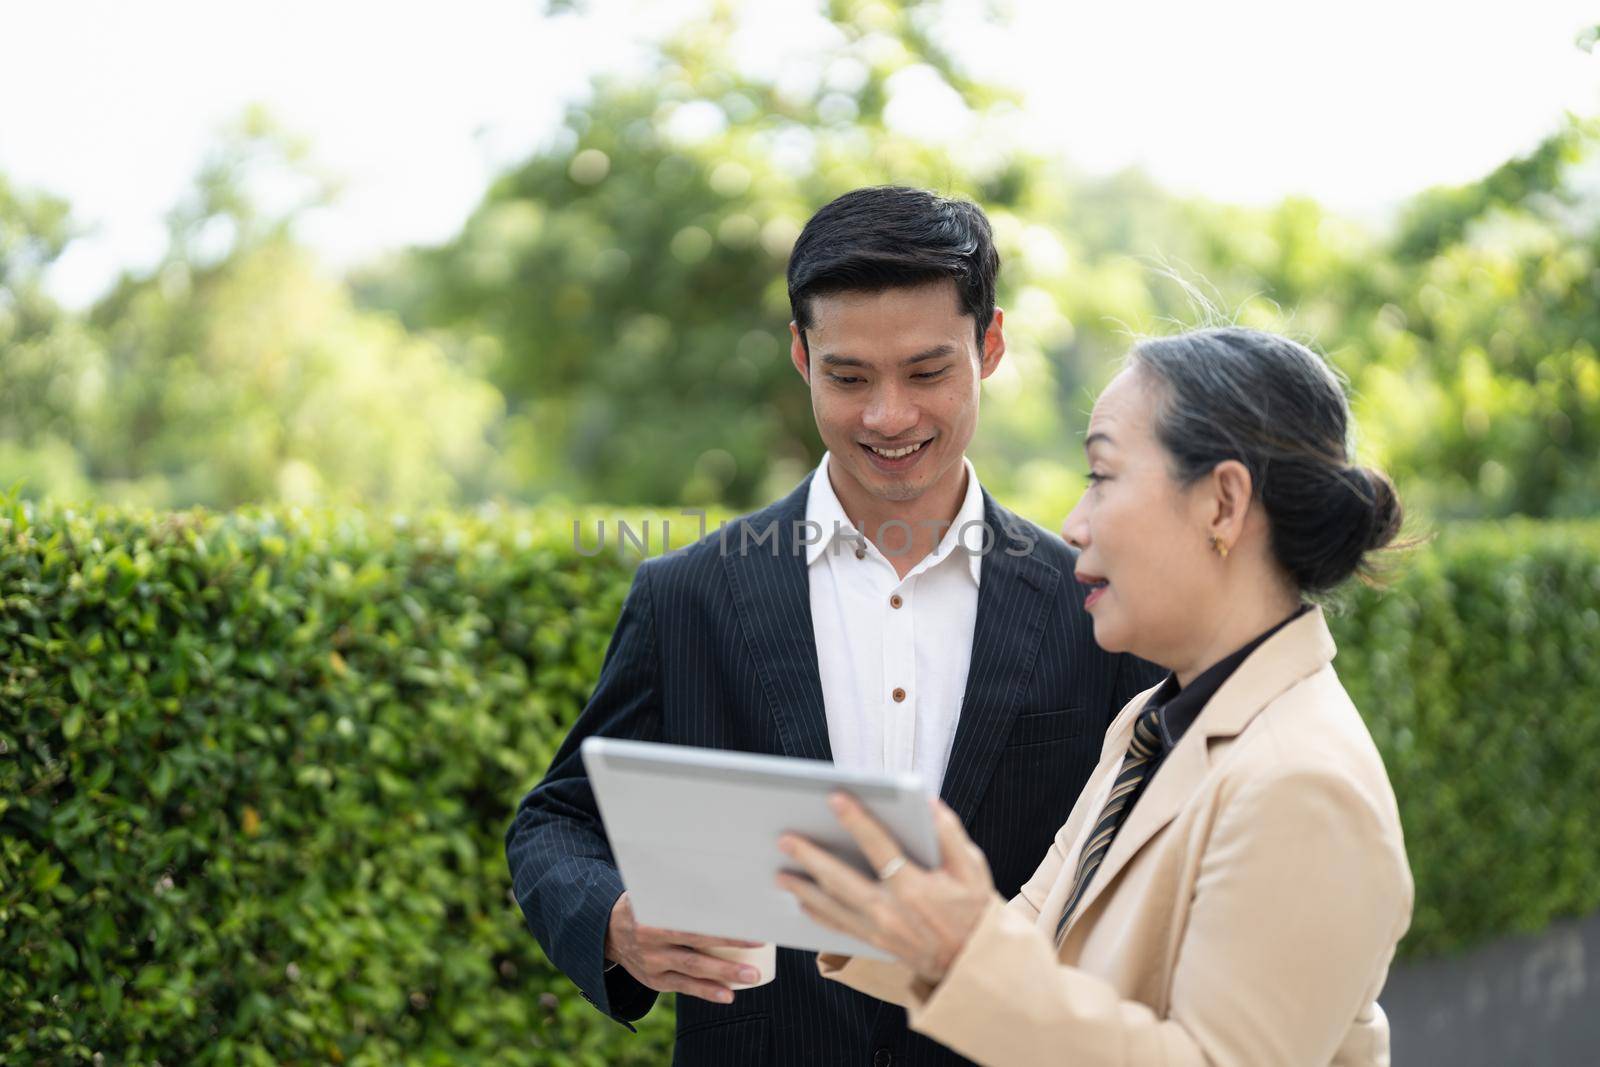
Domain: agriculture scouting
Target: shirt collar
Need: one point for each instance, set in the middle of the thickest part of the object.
(1180, 707)
(965, 533)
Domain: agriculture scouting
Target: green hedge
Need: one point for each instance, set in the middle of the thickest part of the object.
(1479, 675)
(256, 774)
(255, 770)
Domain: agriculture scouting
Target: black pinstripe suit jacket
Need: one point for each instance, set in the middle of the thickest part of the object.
(715, 648)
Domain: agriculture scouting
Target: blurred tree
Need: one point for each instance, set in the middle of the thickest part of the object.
(52, 370)
(632, 271)
(623, 290)
(1470, 332)
(1478, 337)
(236, 370)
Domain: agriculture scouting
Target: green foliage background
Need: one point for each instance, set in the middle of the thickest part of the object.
(611, 323)
(255, 761)
(257, 767)
(256, 770)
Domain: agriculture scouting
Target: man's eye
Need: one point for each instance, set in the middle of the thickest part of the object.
(839, 379)
(1095, 477)
(930, 375)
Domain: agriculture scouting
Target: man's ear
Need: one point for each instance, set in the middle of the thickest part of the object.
(798, 354)
(994, 345)
(1232, 489)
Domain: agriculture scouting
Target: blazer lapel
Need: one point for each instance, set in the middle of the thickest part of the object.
(766, 569)
(1175, 782)
(1014, 594)
(1293, 653)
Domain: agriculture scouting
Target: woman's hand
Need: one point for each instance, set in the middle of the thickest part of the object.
(921, 917)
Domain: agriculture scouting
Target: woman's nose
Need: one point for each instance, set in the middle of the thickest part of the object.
(1075, 530)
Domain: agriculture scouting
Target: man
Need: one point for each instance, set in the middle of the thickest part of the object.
(887, 615)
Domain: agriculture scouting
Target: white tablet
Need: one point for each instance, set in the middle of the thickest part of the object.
(695, 834)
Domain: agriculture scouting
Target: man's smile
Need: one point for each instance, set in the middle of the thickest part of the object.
(893, 460)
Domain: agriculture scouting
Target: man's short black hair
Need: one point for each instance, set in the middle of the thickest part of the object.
(890, 236)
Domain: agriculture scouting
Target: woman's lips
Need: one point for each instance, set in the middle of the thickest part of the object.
(1097, 588)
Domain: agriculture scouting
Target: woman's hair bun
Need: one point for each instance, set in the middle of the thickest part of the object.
(1360, 514)
(1387, 515)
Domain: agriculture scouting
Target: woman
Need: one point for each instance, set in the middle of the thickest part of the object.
(1232, 882)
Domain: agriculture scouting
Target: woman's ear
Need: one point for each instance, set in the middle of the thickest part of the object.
(1232, 489)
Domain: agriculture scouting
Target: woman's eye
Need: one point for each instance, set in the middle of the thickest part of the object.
(1095, 477)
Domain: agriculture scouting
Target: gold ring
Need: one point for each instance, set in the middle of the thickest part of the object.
(890, 869)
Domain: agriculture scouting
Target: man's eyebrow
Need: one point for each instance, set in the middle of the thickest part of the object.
(936, 352)
(1095, 438)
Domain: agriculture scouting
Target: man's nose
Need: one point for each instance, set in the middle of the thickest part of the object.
(890, 412)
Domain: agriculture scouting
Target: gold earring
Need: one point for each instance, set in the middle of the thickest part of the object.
(1220, 548)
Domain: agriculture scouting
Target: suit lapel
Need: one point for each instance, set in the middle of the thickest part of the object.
(1014, 595)
(1295, 652)
(772, 596)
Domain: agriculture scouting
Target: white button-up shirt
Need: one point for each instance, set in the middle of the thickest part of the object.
(892, 652)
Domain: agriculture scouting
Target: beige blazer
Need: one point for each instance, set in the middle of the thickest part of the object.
(1246, 913)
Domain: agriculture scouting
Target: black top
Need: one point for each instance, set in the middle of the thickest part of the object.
(1177, 708)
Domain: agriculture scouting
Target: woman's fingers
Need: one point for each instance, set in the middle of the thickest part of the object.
(829, 871)
(877, 844)
(822, 907)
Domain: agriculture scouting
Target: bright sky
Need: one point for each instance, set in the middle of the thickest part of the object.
(417, 105)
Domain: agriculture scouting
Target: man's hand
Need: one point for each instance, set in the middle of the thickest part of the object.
(671, 961)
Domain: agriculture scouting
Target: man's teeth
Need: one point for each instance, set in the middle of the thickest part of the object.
(896, 453)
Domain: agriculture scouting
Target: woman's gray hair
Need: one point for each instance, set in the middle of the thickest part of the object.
(1232, 393)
